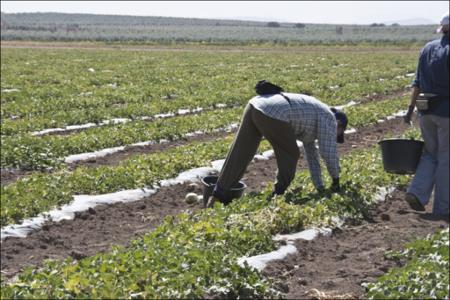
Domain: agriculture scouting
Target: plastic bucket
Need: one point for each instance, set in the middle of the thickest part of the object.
(401, 156)
(209, 182)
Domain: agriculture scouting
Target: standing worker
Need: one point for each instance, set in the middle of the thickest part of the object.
(430, 95)
(282, 118)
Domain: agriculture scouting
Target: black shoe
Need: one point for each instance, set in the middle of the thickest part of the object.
(435, 217)
(413, 202)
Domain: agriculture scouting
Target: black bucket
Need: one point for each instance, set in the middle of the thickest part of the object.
(401, 156)
(209, 182)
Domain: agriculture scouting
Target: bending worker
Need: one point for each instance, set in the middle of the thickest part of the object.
(283, 118)
(431, 97)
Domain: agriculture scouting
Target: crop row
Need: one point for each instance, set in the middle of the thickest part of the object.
(196, 255)
(31, 152)
(75, 28)
(425, 274)
(44, 89)
(37, 193)
(34, 194)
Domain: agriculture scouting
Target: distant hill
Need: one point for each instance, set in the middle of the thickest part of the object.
(79, 27)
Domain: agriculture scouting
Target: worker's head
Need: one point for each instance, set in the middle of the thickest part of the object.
(341, 121)
(444, 27)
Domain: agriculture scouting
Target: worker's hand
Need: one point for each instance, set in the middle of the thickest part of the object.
(335, 186)
(407, 117)
(271, 196)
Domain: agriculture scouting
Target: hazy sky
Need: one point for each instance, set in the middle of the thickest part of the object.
(343, 12)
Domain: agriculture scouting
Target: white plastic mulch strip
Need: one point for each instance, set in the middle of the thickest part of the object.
(351, 103)
(84, 202)
(92, 155)
(266, 155)
(350, 131)
(380, 196)
(398, 114)
(10, 90)
(259, 262)
(180, 112)
(67, 212)
(101, 153)
(193, 175)
(65, 129)
(79, 127)
(307, 235)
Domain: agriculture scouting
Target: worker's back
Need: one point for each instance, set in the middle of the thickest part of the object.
(304, 113)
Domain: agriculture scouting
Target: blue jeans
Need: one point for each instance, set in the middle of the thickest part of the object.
(433, 169)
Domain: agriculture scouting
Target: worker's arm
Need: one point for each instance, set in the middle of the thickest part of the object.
(312, 157)
(415, 91)
(328, 151)
(412, 104)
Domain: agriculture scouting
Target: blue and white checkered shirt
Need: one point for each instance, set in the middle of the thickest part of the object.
(311, 120)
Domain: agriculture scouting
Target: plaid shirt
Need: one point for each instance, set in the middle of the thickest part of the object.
(311, 120)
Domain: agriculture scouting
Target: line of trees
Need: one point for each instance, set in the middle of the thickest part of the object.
(276, 24)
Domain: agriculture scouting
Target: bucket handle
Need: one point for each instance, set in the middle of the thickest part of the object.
(411, 125)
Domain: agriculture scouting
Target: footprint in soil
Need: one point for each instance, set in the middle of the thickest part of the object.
(385, 217)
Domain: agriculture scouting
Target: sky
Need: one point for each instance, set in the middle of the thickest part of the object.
(331, 12)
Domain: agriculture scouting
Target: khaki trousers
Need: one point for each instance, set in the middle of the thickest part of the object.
(255, 125)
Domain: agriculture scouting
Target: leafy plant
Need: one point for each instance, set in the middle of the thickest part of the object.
(425, 275)
(194, 255)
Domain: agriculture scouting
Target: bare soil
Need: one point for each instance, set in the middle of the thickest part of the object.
(9, 176)
(195, 48)
(98, 229)
(335, 267)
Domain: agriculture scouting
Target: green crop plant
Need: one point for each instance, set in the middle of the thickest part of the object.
(425, 274)
(195, 255)
(371, 112)
(40, 192)
(66, 87)
(34, 152)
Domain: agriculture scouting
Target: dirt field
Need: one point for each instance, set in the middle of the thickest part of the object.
(98, 229)
(195, 47)
(336, 266)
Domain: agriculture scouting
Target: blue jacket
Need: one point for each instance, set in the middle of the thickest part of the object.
(432, 75)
